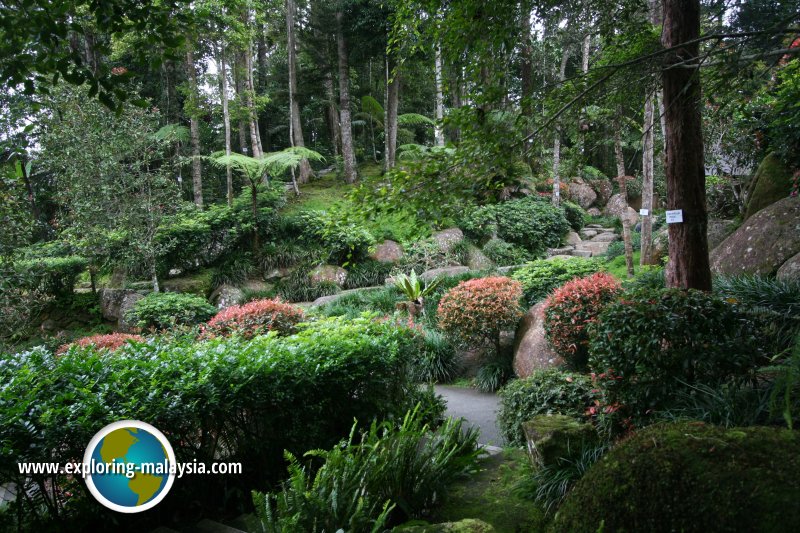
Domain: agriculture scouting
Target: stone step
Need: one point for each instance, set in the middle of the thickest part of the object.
(566, 250)
(605, 237)
(597, 248)
(578, 252)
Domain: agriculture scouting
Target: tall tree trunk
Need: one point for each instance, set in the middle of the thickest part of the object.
(348, 153)
(583, 123)
(194, 130)
(647, 183)
(526, 68)
(255, 139)
(240, 96)
(392, 100)
(438, 132)
(621, 175)
(557, 141)
(226, 118)
(688, 265)
(332, 112)
(296, 127)
(261, 87)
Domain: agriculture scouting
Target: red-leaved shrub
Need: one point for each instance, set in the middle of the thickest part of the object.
(476, 311)
(109, 342)
(571, 308)
(255, 318)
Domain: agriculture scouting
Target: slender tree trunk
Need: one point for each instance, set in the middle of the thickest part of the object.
(348, 153)
(332, 112)
(438, 132)
(296, 127)
(621, 175)
(663, 118)
(647, 183)
(557, 141)
(526, 68)
(194, 130)
(226, 118)
(261, 86)
(255, 141)
(688, 265)
(237, 78)
(154, 275)
(254, 206)
(392, 100)
(583, 123)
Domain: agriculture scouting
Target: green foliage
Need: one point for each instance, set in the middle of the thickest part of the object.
(503, 253)
(690, 477)
(554, 480)
(544, 392)
(529, 222)
(652, 344)
(297, 287)
(540, 277)
(351, 305)
(163, 310)
(493, 375)
(411, 287)
(346, 242)
(224, 399)
(368, 273)
(785, 391)
(233, 270)
(575, 215)
(617, 248)
(400, 469)
(426, 254)
(55, 276)
(435, 359)
(647, 277)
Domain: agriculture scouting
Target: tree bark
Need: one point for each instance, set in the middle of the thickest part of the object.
(688, 266)
(626, 226)
(526, 68)
(557, 141)
(348, 153)
(239, 84)
(332, 112)
(438, 132)
(392, 101)
(647, 183)
(194, 131)
(255, 138)
(226, 118)
(295, 126)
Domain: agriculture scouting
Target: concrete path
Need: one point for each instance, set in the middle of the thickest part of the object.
(478, 408)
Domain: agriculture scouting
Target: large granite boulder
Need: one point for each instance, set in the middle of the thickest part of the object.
(387, 252)
(763, 243)
(531, 350)
(604, 189)
(582, 193)
(477, 260)
(448, 238)
(718, 230)
(790, 269)
(328, 273)
(430, 275)
(226, 296)
(772, 182)
(115, 304)
(616, 205)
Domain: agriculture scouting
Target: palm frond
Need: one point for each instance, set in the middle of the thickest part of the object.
(414, 119)
(279, 162)
(172, 133)
(372, 107)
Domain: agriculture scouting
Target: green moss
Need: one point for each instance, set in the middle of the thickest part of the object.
(468, 525)
(691, 477)
(554, 437)
(771, 182)
(492, 495)
(198, 283)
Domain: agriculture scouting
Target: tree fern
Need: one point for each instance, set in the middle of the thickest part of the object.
(172, 133)
(414, 119)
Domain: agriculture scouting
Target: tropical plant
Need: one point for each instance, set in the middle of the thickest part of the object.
(411, 287)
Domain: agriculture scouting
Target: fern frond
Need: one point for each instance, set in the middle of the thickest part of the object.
(414, 119)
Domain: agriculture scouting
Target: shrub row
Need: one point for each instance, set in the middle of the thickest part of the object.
(222, 399)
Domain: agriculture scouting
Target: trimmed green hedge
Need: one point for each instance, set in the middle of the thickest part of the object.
(225, 400)
(540, 277)
(52, 275)
(690, 477)
(162, 310)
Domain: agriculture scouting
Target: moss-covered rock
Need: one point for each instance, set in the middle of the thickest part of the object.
(690, 476)
(771, 182)
(553, 437)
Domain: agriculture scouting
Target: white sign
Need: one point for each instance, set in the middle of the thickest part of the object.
(644, 212)
(675, 217)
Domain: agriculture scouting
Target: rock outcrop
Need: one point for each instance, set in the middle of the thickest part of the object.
(388, 252)
(329, 273)
(763, 243)
(771, 183)
(531, 350)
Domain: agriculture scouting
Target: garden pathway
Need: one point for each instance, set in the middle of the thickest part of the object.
(478, 408)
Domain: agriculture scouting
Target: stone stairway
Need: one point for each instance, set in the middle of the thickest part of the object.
(591, 241)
